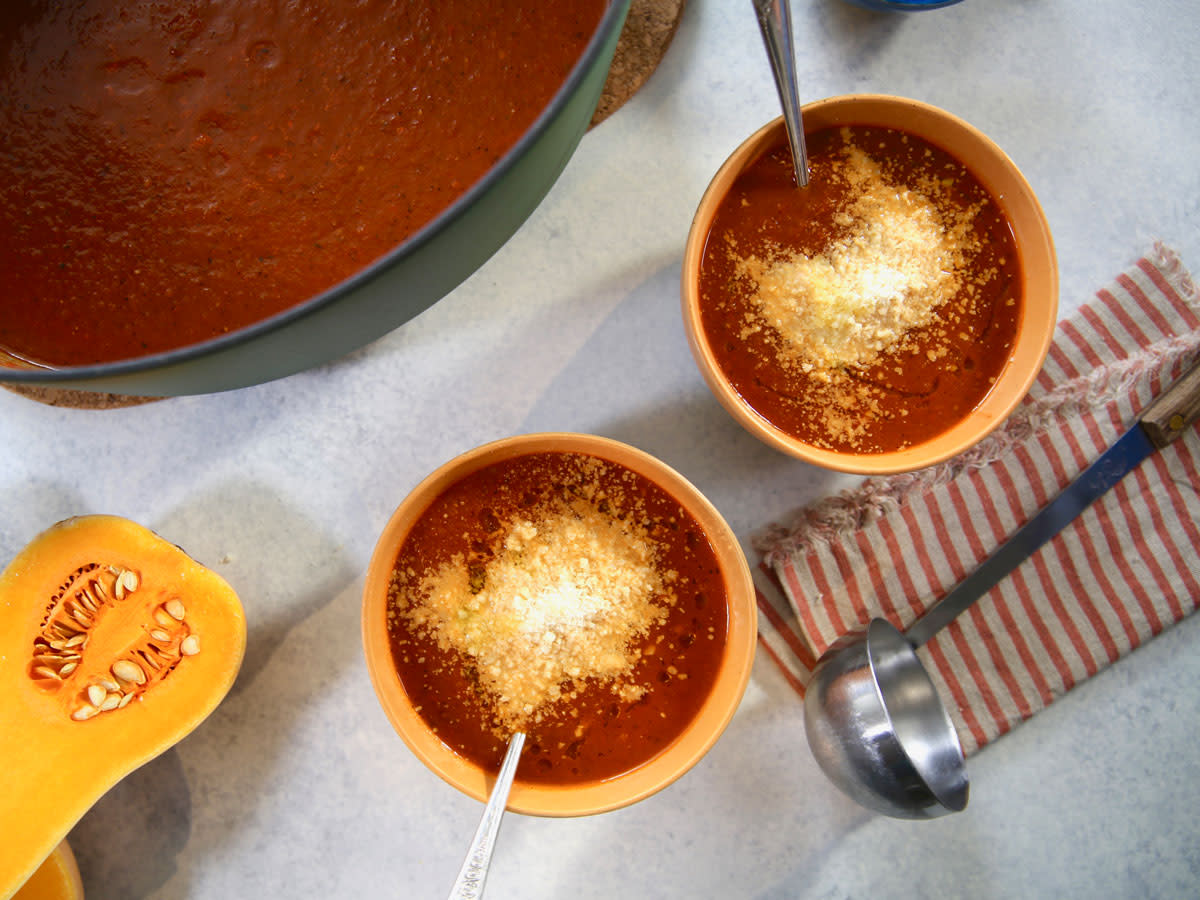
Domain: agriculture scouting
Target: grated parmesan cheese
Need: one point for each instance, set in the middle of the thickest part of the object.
(564, 598)
(898, 255)
(895, 266)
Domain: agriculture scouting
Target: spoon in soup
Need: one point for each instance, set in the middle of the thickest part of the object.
(469, 884)
(775, 22)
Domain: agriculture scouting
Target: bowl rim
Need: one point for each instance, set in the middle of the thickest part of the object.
(593, 797)
(35, 373)
(1035, 247)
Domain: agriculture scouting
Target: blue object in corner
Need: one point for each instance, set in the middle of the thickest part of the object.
(902, 5)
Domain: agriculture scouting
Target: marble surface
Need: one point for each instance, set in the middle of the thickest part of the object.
(297, 786)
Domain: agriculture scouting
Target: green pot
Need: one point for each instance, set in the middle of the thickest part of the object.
(392, 290)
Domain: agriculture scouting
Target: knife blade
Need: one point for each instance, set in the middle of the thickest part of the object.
(1169, 416)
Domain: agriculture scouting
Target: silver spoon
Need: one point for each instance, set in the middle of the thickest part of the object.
(469, 884)
(873, 717)
(775, 22)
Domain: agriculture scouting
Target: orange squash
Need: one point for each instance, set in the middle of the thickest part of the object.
(114, 645)
(55, 879)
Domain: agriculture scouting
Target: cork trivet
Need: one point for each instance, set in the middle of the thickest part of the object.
(648, 30)
(52, 396)
(649, 27)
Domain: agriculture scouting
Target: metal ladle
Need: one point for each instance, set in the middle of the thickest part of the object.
(775, 23)
(471, 877)
(874, 720)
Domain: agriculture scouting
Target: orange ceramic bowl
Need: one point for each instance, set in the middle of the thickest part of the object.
(589, 797)
(1038, 265)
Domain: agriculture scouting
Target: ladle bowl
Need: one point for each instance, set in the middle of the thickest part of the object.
(880, 732)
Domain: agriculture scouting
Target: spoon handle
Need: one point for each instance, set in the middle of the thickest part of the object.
(469, 884)
(775, 22)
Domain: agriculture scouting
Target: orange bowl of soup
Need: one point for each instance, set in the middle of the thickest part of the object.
(889, 315)
(569, 587)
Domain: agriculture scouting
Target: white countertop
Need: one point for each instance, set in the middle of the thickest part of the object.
(297, 786)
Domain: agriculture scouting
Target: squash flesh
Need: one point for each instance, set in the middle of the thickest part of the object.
(53, 766)
(55, 879)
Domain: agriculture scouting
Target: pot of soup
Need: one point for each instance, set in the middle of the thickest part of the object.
(199, 196)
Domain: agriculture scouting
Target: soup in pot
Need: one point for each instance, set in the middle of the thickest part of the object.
(172, 171)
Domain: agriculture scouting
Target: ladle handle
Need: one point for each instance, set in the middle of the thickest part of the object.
(1175, 410)
(775, 23)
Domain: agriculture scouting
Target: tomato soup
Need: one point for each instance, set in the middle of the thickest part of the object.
(565, 596)
(871, 310)
(172, 171)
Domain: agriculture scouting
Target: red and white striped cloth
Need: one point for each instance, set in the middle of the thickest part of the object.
(1127, 568)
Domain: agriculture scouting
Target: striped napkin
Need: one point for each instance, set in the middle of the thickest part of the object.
(1125, 570)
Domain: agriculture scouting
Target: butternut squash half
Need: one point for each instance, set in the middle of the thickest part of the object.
(114, 645)
(55, 879)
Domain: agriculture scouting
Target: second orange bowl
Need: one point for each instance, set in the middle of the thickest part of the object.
(1038, 266)
(587, 797)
